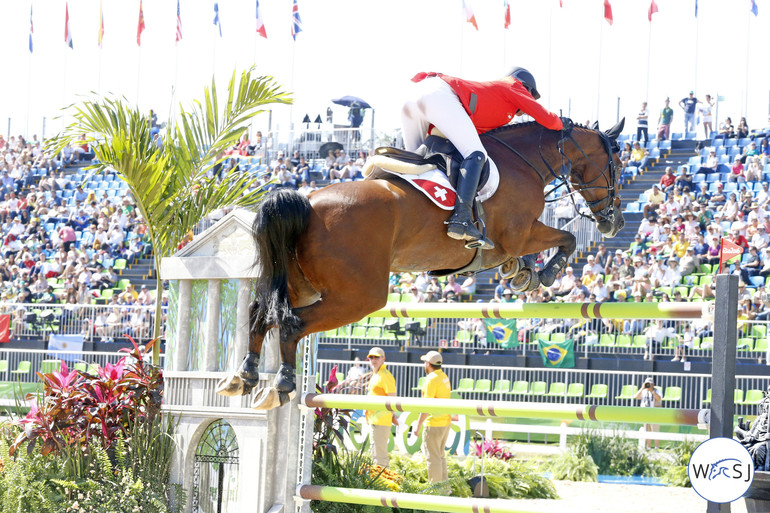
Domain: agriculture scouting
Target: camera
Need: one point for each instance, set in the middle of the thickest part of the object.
(648, 385)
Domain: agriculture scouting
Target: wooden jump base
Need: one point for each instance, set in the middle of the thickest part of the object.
(551, 411)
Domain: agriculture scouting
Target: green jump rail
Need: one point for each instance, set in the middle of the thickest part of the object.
(635, 414)
(416, 501)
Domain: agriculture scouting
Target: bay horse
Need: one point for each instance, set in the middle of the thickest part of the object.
(324, 261)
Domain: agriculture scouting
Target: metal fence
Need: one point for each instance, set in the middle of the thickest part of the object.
(592, 337)
(42, 360)
(600, 387)
(94, 322)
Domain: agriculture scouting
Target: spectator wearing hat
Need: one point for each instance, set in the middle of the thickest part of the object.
(437, 386)
(655, 198)
(711, 165)
(508, 296)
(381, 383)
(592, 265)
(650, 396)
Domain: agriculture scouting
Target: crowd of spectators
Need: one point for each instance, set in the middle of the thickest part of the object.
(61, 239)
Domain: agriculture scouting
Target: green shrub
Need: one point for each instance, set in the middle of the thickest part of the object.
(571, 466)
(615, 455)
(676, 473)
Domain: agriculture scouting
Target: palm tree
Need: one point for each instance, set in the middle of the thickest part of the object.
(169, 181)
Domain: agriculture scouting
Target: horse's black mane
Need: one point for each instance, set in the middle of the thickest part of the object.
(516, 126)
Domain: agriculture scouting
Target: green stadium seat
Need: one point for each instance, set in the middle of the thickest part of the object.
(537, 388)
(607, 340)
(760, 344)
(93, 368)
(420, 383)
(23, 368)
(81, 366)
(502, 386)
(640, 341)
(48, 366)
(576, 390)
(465, 385)
(672, 394)
(759, 330)
(120, 264)
(464, 336)
(627, 392)
(753, 397)
(558, 337)
(745, 344)
(624, 340)
(558, 389)
(708, 397)
(3, 365)
(738, 396)
(520, 388)
(482, 386)
(598, 391)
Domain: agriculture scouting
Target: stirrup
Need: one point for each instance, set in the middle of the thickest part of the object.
(482, 243)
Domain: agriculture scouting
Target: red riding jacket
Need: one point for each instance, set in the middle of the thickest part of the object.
(493, 104)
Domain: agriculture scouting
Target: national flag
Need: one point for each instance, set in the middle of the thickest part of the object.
(67, 31)
(178, 23)
(507, 14)
(100, 36)
(557, 354)
(608, 11)
(5, 328)
(296, 21)
(696, 8)
(31, 29)
(140, 25)
(469, 17)
(727, 251)
(561, 3)
(754, 8)
(652, 10)
(217, 22)
(502, 331)
(260, 24)
(70, 345)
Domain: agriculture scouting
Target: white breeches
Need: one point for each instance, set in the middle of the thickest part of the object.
(433, 102)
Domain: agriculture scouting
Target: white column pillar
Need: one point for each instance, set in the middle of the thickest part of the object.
(182, 349)
(213, 309)
(242, 321)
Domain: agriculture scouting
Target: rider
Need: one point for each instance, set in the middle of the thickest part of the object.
(461, 110)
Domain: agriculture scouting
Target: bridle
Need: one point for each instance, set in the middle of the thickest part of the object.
(607, 212)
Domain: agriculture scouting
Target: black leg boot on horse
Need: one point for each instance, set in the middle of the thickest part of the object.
(461, 225)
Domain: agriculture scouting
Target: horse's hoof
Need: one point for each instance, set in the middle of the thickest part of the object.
(534, 283)
(284, 379)
(521, 282)
(510, 268)
(266, 399)
(234, 385)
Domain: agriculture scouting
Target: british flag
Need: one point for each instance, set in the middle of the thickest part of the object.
(296, 24)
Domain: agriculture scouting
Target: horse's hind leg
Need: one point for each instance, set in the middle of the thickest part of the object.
(246, 378)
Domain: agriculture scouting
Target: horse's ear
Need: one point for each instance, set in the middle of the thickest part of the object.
(615, 131)
(595, 126)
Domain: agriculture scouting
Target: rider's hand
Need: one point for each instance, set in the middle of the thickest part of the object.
(567, 124)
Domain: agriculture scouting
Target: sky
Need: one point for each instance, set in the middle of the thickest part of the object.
(584, 67)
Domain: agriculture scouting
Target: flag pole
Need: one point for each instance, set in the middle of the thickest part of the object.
(599, 67)
(695, 71)
(748, 60)
(649, 52)
(550, 56)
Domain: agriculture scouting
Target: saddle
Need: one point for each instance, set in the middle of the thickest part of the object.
(440, 153)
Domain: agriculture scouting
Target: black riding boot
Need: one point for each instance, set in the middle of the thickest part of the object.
(461, 225)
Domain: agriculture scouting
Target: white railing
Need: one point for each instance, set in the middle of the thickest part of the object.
(95, 322)
(693, 387)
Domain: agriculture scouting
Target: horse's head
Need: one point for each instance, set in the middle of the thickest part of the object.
(595, 171)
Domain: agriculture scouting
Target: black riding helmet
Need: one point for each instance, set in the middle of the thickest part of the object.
(526, 78)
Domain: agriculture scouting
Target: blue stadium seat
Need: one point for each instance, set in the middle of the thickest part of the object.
(729, 143)
(717, 143)
(731, 187)
(745, 141)
(758, 281)
(712, 177)
(633, 206)
(655, 153)
(676, 136)
(652, 143)
(665, 145)
(735, 150)
(724, 159)
(698, 178)
(695, 161)
(721, 151)
(691, 135)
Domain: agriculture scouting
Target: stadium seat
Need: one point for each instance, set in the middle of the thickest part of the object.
(576, 390)
(3, 366)
(48, 366)
(598, 391)
(80, 366)
(557, 389)
(627, 392)
(520, 388)
(537, 388)
(482, 386)
(23, 368)
(753, 397)
(672, 394)
(465, 385)
(502, 386)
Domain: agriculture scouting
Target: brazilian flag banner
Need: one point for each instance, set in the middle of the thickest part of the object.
(557, 354)
(502, 331)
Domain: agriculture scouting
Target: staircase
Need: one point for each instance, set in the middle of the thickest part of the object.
(140, 273)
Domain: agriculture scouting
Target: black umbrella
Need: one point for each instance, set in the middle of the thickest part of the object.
(352, 101)
(323, 151)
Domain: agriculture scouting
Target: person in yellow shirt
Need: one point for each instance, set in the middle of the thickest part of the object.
(437, 427)
(381, 383)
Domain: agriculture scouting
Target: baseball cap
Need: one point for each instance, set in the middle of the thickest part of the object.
(618, 251)
(432, 357)
(649, 380)
(376, 351)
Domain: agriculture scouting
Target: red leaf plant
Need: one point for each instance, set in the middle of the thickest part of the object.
(78, 407)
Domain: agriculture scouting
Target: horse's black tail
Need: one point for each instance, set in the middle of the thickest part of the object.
(281, 217)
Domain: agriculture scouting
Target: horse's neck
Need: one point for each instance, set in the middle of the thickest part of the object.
(537, 146)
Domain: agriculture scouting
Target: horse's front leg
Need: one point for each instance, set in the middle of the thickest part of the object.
(541, 237)
(566, 244)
